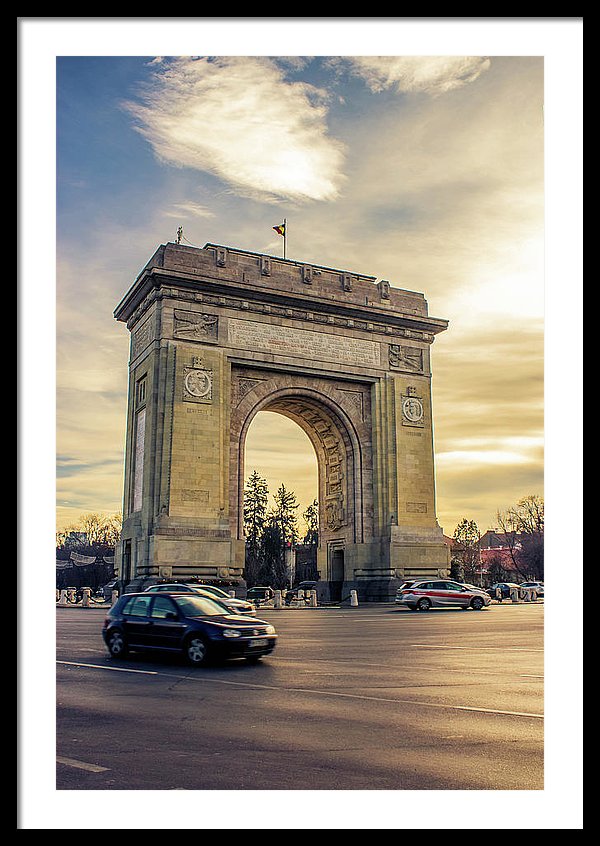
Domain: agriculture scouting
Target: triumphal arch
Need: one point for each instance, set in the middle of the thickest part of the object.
(219, 334)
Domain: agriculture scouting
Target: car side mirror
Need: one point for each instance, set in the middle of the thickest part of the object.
(171, 615)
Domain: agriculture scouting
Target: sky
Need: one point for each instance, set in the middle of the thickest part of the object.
(444, 155)
(426, 171)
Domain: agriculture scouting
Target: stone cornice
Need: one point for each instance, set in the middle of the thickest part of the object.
(158, 283)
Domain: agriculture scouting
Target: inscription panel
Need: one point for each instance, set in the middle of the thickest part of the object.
(286, 340)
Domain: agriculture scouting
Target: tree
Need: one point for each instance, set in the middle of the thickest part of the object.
(92, 534)
(465, 551)
(256, 495)
(523, 525)
(311, 518)
(272, 570)
(284, 514)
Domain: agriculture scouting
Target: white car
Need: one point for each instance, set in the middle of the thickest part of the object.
(235, 606)
(425, 594)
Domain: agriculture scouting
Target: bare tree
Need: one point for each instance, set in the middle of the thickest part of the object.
(523, 526)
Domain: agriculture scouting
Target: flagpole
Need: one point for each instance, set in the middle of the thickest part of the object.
(284, 235)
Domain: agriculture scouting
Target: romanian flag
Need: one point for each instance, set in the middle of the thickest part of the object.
(280, 229)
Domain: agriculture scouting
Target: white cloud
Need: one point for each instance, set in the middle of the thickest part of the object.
(189, 208)
(432, 75)
(239, 119)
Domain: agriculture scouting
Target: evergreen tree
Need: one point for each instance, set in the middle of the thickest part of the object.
(284, 514)
(465, 552)
(311, 518)
(256, 495)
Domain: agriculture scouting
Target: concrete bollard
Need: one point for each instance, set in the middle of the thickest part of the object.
(232, 594)
(277, 601)
(301, 596)
(514, 594)
(114, 596)
(87, 592)
(353, 598)
(499, 594)
(313, 599)
(526, 594)
(71, 595)
(63, 598)
(532, 595)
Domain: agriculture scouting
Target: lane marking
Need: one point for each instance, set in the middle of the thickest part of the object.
(329, 693)
(478, 648)
(81, 765)
(104, 667)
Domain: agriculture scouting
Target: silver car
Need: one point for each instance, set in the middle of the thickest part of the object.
(426, 594)
(235, 606)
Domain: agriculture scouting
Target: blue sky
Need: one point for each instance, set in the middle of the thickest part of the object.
(427, 171)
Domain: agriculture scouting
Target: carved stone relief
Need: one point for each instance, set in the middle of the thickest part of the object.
(193, 326)
(406, 358)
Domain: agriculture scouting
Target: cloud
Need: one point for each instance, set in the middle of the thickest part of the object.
(240, 120)
(189, 208)
(433, 75)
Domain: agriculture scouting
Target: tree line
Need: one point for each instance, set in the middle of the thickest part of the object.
(521, 531)
(94, 536)
(270, 532)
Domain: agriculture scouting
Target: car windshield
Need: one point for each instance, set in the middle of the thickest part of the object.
(200, 606)
(217, 591)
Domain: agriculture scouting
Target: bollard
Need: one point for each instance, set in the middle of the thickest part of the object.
(232, 594)
(301, 597)
(313, 599)
(87, 592)
(114, 596)
(63, 598)
(514, 594)
(353, 598)
(533, 595)
(277, 603)
(71, 595)
(526, 595)
(499, 594)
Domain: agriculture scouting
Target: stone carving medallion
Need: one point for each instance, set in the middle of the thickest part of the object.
(197, 384)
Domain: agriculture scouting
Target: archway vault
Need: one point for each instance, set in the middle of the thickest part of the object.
(337, 422)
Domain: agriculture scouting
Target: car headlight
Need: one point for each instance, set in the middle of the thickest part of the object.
(270, 630)
(231, 633)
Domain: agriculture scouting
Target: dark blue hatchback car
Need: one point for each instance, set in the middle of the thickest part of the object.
(195, 626)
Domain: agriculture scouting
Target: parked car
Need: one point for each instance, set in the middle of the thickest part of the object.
(236, 606)
(259, 594)
(505, 589)
(538, 587)
(195, 626)
(423, 595)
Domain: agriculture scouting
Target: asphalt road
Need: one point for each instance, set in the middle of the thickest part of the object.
(368, 698)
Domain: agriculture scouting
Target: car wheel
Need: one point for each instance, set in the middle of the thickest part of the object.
(423, 605)
(116, 645)
(196, 650)
(477, 603)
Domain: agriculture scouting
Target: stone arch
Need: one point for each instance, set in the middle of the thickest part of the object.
(332, 422)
